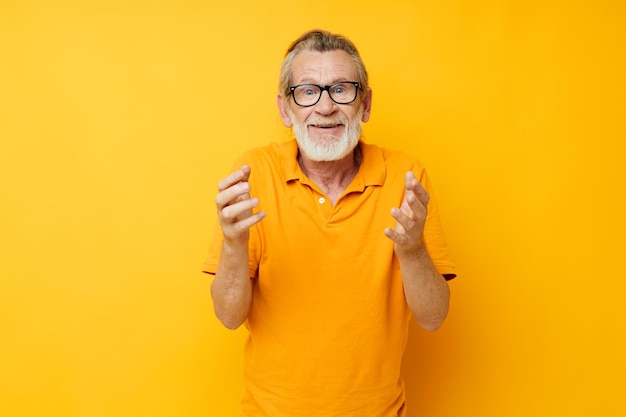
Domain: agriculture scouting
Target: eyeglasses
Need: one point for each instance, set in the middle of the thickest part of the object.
(307, 95)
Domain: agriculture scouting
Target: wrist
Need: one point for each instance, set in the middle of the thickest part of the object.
(414, 252)
(234, 246)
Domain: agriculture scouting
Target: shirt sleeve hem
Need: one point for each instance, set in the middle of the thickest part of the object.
(211, 268)
(447, 270)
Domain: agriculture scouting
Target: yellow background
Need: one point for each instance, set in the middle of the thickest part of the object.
(117, 119)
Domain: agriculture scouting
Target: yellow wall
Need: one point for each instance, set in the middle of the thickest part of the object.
(117, 118)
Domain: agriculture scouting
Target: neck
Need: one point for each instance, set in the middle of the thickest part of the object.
(333, 177)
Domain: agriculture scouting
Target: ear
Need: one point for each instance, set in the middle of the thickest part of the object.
(282, 109)
(367, 105)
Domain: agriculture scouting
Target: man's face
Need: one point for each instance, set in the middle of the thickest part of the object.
(326, 131)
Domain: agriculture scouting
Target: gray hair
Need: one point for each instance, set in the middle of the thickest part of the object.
(320, 41)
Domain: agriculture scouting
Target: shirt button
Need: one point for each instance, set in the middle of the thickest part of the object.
(322, 200)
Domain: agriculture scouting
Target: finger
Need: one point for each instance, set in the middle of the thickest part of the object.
(422, 195)
(413, 207)
(238, 211)
(405, 223)
(240, 229)
(250, 221)
(412, 184)
(396, 237)
(237, 192)
(241, 175)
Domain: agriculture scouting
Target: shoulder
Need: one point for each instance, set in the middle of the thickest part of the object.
(273, 161)
(389, 155)
(268, 155)
(394, 161)
(259, 153)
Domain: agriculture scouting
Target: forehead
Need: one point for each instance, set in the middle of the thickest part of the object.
(323, 67)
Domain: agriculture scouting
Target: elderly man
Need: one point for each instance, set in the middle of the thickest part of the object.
(325, 248)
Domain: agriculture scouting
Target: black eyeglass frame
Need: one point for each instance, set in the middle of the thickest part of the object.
(325, 88)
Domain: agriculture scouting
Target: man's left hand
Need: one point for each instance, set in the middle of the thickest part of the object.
(410, 217)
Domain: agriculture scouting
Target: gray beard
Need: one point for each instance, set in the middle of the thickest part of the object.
(332, 151)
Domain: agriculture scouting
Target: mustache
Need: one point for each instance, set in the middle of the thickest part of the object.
(326, 121)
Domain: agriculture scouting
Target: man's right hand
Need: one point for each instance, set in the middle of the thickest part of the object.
(234, 207)
(232, 287)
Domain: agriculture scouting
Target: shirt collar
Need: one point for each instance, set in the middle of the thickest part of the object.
(371, 172)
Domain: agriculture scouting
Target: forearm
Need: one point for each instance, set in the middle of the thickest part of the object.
(231, 288)
(425, 289)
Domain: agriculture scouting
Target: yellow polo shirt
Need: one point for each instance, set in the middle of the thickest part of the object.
(328, 323)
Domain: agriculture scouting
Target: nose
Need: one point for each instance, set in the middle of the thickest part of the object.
(325, 105)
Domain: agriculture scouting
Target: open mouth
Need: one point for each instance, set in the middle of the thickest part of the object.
(326, 125)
